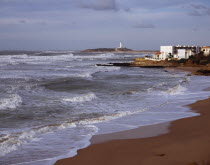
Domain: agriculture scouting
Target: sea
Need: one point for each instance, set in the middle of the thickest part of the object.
(53, 102)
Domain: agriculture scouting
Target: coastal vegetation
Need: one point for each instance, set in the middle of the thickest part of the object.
(198, 59)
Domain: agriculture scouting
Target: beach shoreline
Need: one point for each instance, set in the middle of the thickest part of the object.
(186, 142)
(182, 141)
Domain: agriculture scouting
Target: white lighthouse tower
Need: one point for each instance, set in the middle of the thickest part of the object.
(121, 46)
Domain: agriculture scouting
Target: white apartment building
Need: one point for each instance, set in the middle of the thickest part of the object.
(206, 50)
(177, 52)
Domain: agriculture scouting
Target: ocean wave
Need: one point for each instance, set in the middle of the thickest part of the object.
(110, 117)
(107, 55)
(80, 99)
(52, 57)
(11, 102)
(177, 90)
(84, 75)
(82, 141)
(158, 89)
(11, 142)
(21, 56)
(36, 59)
(102, 56)
(128, 92)
(155, 87)
(107, 68)
(185, 80)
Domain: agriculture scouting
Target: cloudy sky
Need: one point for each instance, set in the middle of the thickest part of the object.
(81, 24)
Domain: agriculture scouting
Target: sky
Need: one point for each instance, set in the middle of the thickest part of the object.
(83, 24)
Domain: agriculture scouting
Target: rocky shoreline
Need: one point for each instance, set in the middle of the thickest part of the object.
(143, 63)
(129, 65)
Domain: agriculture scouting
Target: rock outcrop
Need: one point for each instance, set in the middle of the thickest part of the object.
(150, 63)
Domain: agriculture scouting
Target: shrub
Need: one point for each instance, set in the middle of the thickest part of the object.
(200, 59)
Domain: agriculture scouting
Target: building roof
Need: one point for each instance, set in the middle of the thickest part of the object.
(206, 47)
(158, 53)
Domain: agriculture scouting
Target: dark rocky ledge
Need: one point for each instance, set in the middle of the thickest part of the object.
(115, 64)
(205, 72)
(129, 65)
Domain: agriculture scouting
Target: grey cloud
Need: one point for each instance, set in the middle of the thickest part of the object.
(195, 13)
(200, 10)
(198, 6)
(151, 4)
(195, 29)
(23, 21)
(98, 4)
(208, 11)
(144, 26)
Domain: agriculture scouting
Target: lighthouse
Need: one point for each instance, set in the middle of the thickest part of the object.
(121, 46)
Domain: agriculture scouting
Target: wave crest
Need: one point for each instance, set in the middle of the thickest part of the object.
(10, 103)
(80, 99)
(11, 142)
(176, 90)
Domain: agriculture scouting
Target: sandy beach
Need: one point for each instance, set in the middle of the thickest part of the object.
(104, 82)
(186, 143)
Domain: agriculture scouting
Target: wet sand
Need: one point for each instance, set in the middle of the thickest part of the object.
(187, 143)
(141, 132)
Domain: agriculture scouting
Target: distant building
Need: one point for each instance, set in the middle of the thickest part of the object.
(121, 46)
(176, 52)
(206, 50)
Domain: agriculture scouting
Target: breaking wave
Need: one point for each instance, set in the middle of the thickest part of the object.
(11, 142)
(110, 117)
(80, 99)
(11, 102)
(103, 56)
(107, 69)
(84, 75)
(158, 89)
(176, 90)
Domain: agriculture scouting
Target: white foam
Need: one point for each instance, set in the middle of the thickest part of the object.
(35, 59)
(11, 102)
(21, 56)
(108, 69)
(11, 142)
(161, 84)
(80, 99)
(110, 117)
(102, 56)
(156, 86)
(177, 90)
(82, 141)
(84, 75)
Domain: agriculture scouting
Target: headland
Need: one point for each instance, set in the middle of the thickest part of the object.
(116, 50)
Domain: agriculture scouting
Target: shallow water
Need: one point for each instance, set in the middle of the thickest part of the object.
(51, 103)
